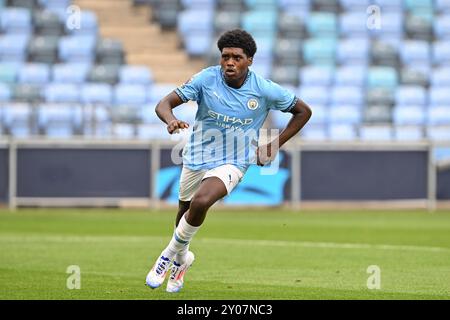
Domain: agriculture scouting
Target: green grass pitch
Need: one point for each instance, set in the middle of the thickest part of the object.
(240, 254)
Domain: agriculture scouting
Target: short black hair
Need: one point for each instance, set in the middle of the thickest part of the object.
(238, 38)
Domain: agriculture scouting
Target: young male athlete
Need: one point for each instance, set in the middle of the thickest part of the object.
(233, 103)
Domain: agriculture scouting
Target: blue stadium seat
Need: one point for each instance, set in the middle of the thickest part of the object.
(390, 5)
(341, 132)
(16, 20)
(13, 47)
(198, 4)
(319, 51)
(35, 73)
(441, 77)
(135, 74)
(345, 114)
(392, 24)
(88, 25)
(263, 67)
(61, 120)
(260, 22)
(439, 115)
(298, 8)
(152, 131)
(376, 133)
(186, 112)
(160, 90)
(96, 93)
(316, 75)
(411, 95)
(5, 92)
(408, 133)
(148, 115)
(197, 44)
(413, 52)
(320, 24)
(17, 119)
(347, 95)
(441, 26)
(97, 121)
(353, 24)
(191, 21)
(438, 133)
(124, 130)
(314, 133)
(417, 6)
(130, 94)
(350, 75)
(442, 6)
(354, 51)
(261, 4)
(77, 48)
(62, 92)
(382, 77)
(441, 52)
(314, 95)
(321, 115)
(280, 119)
(355, 5)
(70, 72)
(409, 115)
(439, 96)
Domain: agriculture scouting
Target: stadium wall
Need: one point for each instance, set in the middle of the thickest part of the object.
(137, 173)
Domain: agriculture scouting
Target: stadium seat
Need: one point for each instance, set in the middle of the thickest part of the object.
(186, 112)
(62, 93)
(189, 22)
(231, 5)
(439, 96)
(70, 72)
(13, 47)
(285, 75)
(390, 5)
(354, 51)
(350, 75)
(441, 52)
(124, 130)
(96, 93)
(152, 131)
(34, 73)
(263, 67)
(377, 114)
(382, 77)
(438, 133)
(160, 90)
(414, 52)
(226, 20)
(345, 114)
(319, 51)
(260, 22)
(130, 94)
(77, 48)
(8, 72)
(321, 115)
(280, 119)
(341, 132)
(316, 75)
(297, 8)
(5, 92)
(380, 96)
(314, 95)
(442, 6)
(17, 119)
(43, 49)
(16, 20)
(166, 13)
(439, 115)
(198, 4)
(61, 120)
(291, 26)
(354, 5)
(409, 115)
(261, 4)
(110, 51)
(88, 25)
(104, 73)
(376, 133)
(412, 75)
(384, 53)
(418, 28)
(441, 77)
(408, 133)
(321, 24)
(347, 95)
(135, 74)
(325, 5)
(411, 95)
(392, 24)
(27, 93)
(288, 51)
(353, 24)
(197, 44)
(47, 23)
(314, 133)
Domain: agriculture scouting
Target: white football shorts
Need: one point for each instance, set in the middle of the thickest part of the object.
(190, 180)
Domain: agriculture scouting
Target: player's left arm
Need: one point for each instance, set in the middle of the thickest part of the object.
(301, 113)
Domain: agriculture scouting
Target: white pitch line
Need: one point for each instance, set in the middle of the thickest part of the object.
(237, 242)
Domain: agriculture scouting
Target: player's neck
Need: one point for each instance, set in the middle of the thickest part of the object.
(236, 84)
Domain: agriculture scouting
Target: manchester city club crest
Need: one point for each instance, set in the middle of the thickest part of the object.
(252, 104)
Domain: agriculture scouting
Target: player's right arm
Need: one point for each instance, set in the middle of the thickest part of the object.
(164, 112)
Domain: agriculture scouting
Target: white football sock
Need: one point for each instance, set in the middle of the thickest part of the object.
(179, 243)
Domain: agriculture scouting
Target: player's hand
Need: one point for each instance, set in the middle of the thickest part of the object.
(174, 126)
(266, 154)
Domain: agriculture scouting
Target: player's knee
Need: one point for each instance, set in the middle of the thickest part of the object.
(201, 202)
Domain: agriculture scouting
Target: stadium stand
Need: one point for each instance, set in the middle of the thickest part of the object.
(362, 82)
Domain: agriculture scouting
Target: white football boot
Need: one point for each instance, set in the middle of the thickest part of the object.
(176, 279)
(156, 276)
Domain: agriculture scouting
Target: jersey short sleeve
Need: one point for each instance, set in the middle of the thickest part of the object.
(280, 98)
(191, 90)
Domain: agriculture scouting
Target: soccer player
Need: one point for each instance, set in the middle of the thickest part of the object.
(233, 103)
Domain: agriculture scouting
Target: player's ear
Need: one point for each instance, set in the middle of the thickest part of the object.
(250, 61)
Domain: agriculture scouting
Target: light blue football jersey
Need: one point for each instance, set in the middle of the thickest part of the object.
(228, 120)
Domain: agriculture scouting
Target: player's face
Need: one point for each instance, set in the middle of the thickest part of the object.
(234, 63)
